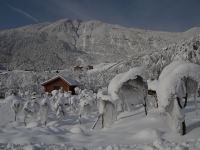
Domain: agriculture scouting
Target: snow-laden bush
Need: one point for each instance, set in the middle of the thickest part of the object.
(16, 103)
(107, 112)
(44, 109)
(176, 82)
(87, 102)
(129, 89)
(31, 110)
(59, 105)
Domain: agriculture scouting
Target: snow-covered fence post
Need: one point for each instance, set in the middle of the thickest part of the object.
(145, 91)
(183, 126)
(145, 105)
(95, 123)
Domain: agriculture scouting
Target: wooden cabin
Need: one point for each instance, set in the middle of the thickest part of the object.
(59, 82)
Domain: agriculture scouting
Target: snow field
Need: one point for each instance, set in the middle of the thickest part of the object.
(131, 130)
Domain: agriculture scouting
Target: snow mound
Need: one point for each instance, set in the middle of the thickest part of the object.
(77, 130)
(29, 147)
(121, 78)
(148, 134)
(32, 125)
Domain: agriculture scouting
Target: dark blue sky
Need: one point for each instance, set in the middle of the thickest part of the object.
(167, 15)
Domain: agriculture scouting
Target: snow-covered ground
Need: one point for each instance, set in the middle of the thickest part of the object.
(132, 130)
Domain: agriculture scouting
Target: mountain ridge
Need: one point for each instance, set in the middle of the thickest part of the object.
(59, 44)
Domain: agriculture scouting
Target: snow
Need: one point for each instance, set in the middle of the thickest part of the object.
(177, 81)
(161, 145)
(132, 130)
(103, 94)
(118, 80)
(148, 134)
(170, 79)
(77, 130)
(12, 98)
(152, 84)
(168, 69)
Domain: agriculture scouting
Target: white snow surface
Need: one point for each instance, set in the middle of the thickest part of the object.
(132, 130)
(152, 84)
(168, 69)
(103, 94)
(121, 78)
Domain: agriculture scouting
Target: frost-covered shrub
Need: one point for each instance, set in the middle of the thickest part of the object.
(31, 110)
(107, 109)
(129, 89)
(44, 109)
(16, 104)
(176, 82)
(87, 102)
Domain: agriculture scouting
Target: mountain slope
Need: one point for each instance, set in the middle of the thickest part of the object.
(58, 45)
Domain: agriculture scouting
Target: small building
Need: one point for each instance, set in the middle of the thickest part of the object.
(82, 68)
(78, 68)
(89, 67)
(58, 82)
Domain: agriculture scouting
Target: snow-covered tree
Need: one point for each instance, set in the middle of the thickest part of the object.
(16, 103)
(176, 82)
(31, 110)
(129, 89)
(44, 109)
(107, 112)
(60, 106)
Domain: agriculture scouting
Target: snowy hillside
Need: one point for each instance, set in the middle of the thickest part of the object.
(61, 43)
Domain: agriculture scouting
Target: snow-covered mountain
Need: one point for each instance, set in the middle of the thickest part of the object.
(59, 44)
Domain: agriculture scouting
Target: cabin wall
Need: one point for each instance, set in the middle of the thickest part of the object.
(56, 85)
